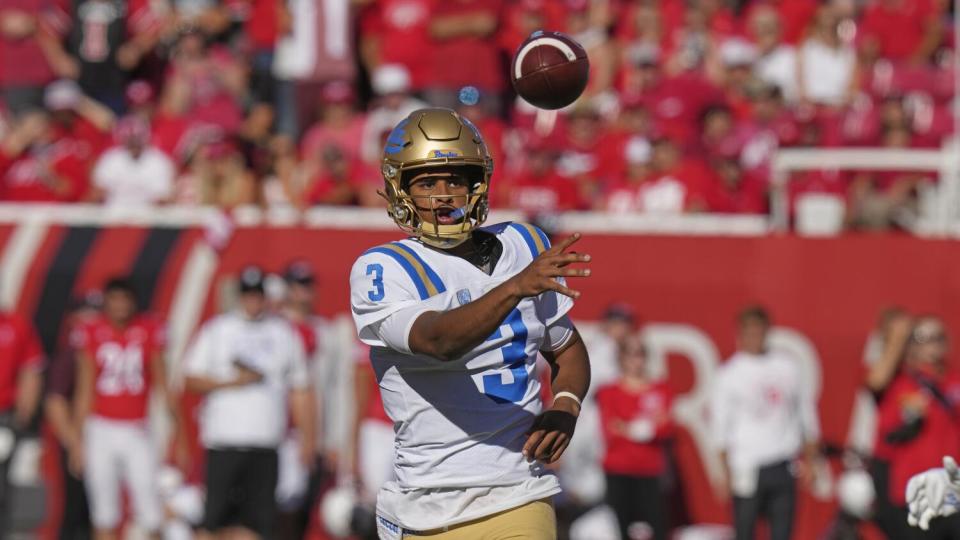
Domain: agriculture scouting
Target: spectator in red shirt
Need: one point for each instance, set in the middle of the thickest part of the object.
(675, 102)
(881, 200)
(338, 181)
(537, 188)
(205, 83)
(589, 156)
(340, 124)
(21, 366)
(635, 414)
(38, 166)
(919, 419)
(733, 190)
(397, 32)
(735, 74)
(463, 51)
(31, 53)
(902, 30)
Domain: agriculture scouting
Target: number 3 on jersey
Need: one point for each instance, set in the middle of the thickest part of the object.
(515, 358)
(376, 294)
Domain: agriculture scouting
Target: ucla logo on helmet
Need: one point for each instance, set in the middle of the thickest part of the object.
(397, 139)
(444, 153)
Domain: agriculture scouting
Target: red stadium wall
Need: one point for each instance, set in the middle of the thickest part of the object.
(828, 290)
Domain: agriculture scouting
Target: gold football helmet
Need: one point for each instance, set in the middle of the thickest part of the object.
(431, 138)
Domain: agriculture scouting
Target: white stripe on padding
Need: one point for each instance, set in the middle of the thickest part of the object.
(185, 310)
(19, 253)
(188, 300)
(548, 41)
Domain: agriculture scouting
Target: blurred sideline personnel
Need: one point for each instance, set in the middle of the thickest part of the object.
(120, 361)
(250, 367)
(635, 413)
(763, 419)
(455, 316)
(298, 486)
(58, 408)
(372, 431)
(919, 421)
(21, 382)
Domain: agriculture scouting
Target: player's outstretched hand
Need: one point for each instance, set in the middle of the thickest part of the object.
(550, 435)
(540, 275)
(934, 493)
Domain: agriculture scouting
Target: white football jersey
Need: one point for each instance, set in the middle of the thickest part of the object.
(460, 425)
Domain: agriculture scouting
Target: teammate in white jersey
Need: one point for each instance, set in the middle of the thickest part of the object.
(455, 317)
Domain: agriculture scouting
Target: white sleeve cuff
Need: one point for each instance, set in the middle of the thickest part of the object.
(394, 331)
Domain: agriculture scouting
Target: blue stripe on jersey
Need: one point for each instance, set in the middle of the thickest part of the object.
(414, 276)
(533, 237)
(431, 275)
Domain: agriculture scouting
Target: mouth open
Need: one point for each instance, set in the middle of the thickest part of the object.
(449, 216)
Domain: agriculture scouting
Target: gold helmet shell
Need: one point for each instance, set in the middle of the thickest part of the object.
(432, 138)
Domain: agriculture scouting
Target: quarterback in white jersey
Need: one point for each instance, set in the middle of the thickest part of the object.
(455, 317)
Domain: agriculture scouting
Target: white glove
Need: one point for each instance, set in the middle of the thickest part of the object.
(934, 493)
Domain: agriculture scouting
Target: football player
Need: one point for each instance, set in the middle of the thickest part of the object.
(455, 316)
(119, 362)
(933, 493)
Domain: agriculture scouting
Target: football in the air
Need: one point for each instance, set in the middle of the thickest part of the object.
(550, 70)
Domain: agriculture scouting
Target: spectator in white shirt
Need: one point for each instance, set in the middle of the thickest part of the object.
(250, 368)
(763, 418)
(777, 62)
(826, 64)
(133, 173)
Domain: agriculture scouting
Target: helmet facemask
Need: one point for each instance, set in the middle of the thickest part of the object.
(408, 211)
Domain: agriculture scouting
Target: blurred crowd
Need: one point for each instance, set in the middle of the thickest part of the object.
(287, 103)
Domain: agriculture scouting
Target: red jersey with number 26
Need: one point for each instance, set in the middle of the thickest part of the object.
(121, 359)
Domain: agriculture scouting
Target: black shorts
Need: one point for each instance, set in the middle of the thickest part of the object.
(241, 486)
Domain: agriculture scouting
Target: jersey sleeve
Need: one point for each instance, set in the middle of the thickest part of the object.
(379, 288)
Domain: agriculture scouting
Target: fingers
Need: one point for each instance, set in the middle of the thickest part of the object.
(559, 447)
(928, 514)
(562, 246)
(545, 448)
(562, 289)
(567, 258)
(532, 442)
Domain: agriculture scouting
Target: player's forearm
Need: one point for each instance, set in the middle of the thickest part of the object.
(301, 406)
(29, 387)
(57, 413)
(572, 369)
(448, 335)
(203, 385)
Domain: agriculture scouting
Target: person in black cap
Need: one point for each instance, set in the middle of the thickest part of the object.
(298, 487)
(250, 367)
